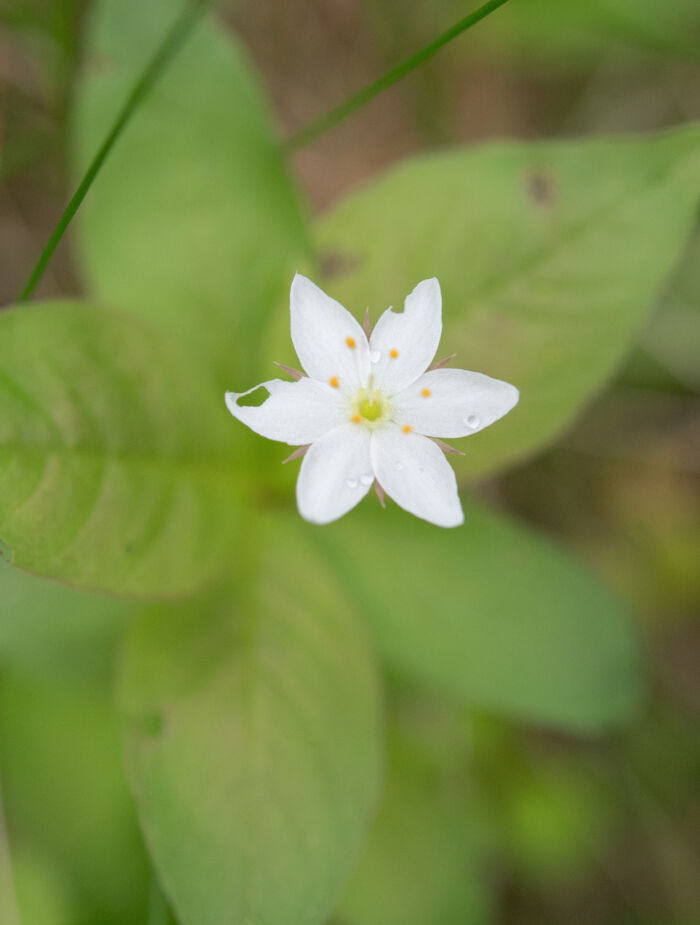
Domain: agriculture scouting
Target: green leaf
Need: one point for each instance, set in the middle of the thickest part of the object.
(421, 863)
(48, 630)
(66, 798)
(491, 613)
(42, 894)
(115, 468)
(252, 737)
(193, 221)
(549, 256)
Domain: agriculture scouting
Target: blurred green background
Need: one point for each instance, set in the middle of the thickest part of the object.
(488, 817)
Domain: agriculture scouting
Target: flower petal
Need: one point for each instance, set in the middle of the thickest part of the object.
(413, 471)
(453, 403)
(335, 474)
(295, 412)
(330, 344)
(404, 343)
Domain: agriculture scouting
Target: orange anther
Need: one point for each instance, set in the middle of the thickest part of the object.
(334, 382)
(393, 353)
(424, 392)
(356, 419)
(350, 341)
(406, 428)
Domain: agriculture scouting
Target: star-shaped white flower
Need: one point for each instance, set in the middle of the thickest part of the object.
(371, 410)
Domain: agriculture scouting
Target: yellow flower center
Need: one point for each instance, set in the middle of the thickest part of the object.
(370, 407)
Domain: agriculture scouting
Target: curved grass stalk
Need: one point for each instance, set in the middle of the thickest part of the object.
(171, 44)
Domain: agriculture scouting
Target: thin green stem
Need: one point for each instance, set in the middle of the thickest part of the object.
(173, 41)
(166, 51)
(328, 121)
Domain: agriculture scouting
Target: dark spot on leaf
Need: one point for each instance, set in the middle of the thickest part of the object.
(334, 264)
(542, 187)
(6, 552)
(150, 725)
(99, 64)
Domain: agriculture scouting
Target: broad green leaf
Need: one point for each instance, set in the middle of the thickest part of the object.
(490, 613)
(252, 737)
(115, 469)
(48, 630)
(193, 221)
(66, 798)
(549, 256)
(421, 863)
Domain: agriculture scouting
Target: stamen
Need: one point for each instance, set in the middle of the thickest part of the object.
(424, 392)
(350, 341)
(393, 353)
(356, 419)
(406, 428)
(334, 382)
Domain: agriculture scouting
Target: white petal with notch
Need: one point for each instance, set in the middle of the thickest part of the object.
(404, 343)
(295, 412)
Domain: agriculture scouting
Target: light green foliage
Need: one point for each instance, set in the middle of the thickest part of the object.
(42, 896)
(115, 467)
(554, 821)
(491, 613)
(67, 803)
(250, 712)
(252, 732)
(549, 256)
(48, 630)
(421, 863)
(194, 222)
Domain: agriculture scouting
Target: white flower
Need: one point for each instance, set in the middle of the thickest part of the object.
(370, 411)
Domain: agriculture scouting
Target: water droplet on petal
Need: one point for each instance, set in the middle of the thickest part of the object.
(352, 483)
(472, 420)
(375, 356)
(367, 479)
